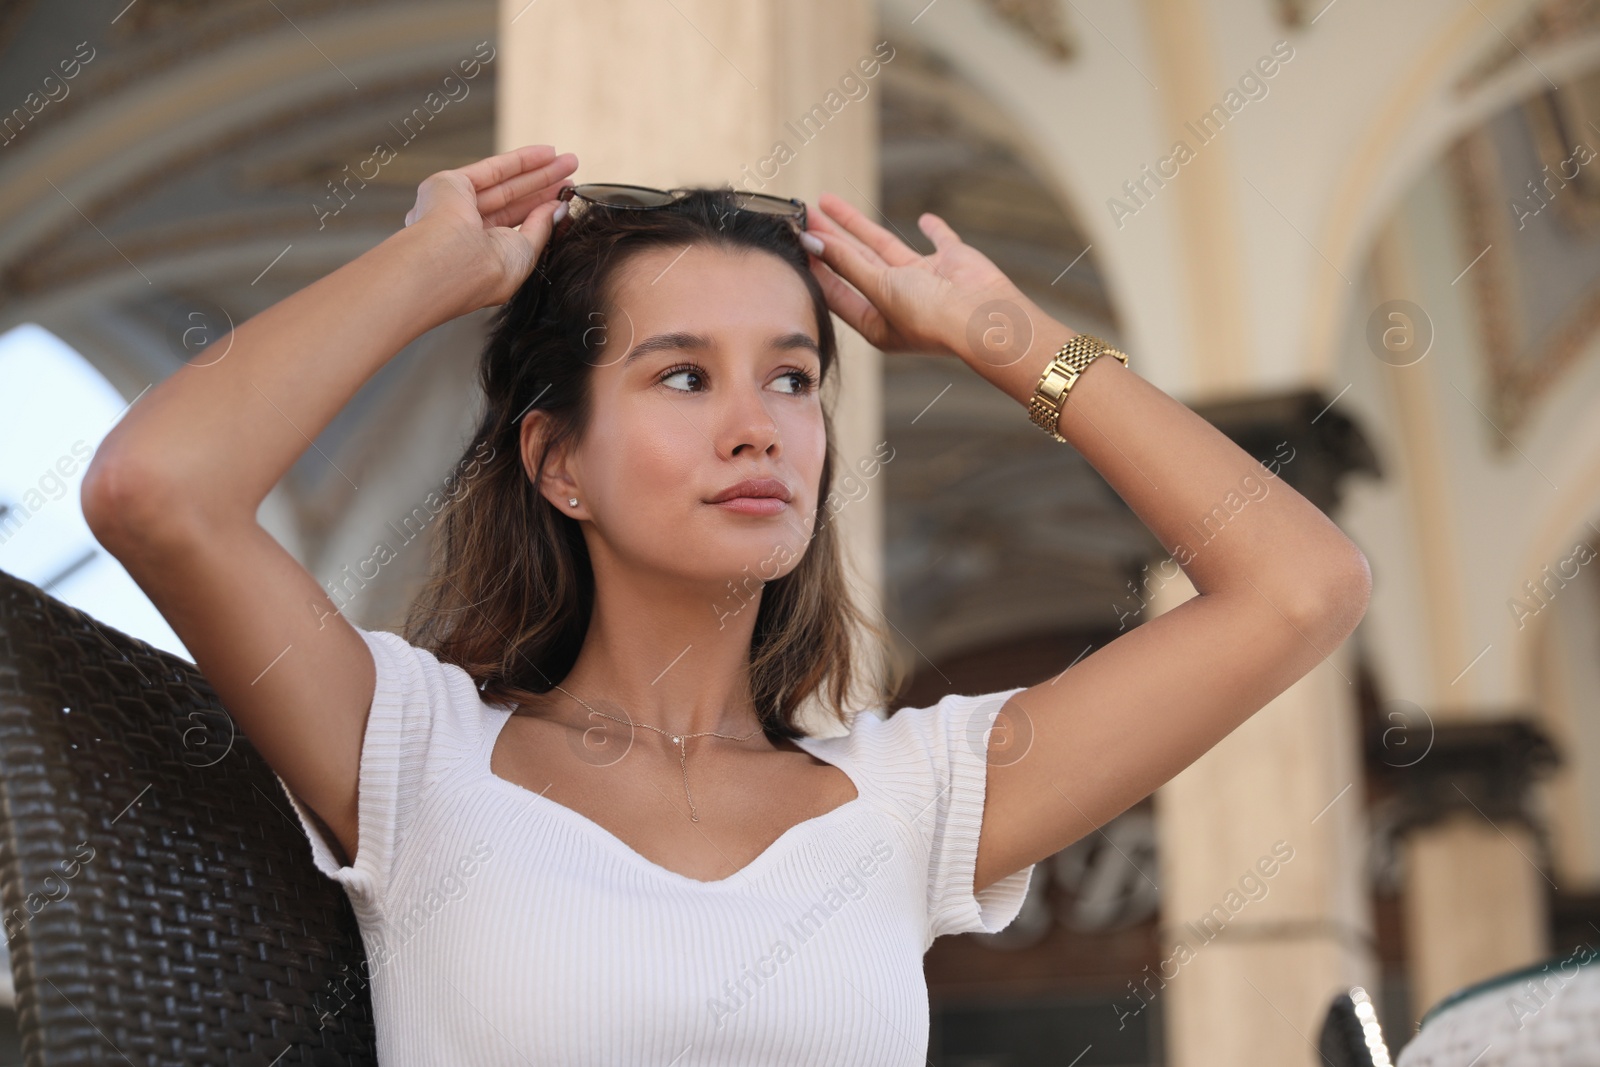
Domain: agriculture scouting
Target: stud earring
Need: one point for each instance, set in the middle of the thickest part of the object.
(572, 500)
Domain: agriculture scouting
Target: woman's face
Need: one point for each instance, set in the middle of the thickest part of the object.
(705, 376)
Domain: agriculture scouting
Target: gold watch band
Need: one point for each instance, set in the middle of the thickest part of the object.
(1061, 375)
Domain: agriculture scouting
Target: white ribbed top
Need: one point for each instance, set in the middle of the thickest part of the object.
(502, 927)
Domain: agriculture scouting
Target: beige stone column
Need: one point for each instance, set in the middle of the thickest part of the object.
(1264, 911)
(769, 97)
(1474, 905)
(1476, 891)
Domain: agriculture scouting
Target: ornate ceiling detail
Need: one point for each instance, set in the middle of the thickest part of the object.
(1040, 22)
(279, 190)
(1546, 24)
(1528, 187)
(264, 179)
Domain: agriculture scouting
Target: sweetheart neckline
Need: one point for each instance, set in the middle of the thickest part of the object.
(763, 858)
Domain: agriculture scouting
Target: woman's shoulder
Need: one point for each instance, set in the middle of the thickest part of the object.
(927, 723)
(416, 685)
(910, 746)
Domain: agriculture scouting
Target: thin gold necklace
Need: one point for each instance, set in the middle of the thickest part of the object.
(677, 739)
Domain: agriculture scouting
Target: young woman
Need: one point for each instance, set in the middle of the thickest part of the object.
(577, 811)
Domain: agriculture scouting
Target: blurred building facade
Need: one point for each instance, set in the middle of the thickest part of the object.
(1363, 239)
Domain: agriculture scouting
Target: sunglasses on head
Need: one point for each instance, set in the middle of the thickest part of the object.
(643, 198)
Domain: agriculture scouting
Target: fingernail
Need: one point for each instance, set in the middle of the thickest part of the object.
(560, 212)
(812, 243)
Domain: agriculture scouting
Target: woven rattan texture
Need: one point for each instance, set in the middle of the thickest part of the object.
(160, 901)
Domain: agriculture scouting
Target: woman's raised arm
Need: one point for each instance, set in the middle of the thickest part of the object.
(173, 490)
(1279, 588)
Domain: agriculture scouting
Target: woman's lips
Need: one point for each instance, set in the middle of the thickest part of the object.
(753, 505)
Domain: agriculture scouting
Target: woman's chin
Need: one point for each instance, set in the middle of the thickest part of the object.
(761, 552)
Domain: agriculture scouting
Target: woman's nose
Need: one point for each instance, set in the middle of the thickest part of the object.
(747, 424)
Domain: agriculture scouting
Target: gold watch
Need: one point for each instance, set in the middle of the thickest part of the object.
(1061, 375)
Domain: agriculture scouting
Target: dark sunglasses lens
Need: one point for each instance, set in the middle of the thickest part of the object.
(623, 195)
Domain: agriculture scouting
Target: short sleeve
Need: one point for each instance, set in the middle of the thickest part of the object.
(425, 714)
(961, 727)
(932, 763)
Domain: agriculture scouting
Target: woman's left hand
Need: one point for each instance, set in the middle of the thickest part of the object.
(899, 299)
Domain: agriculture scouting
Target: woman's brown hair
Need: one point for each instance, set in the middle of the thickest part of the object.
(511, 588)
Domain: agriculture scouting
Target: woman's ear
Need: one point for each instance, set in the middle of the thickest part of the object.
(556, 485)
(530, 436)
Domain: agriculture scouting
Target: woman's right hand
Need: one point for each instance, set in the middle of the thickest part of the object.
(493, 217)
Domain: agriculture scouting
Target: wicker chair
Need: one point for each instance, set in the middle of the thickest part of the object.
(160, 902)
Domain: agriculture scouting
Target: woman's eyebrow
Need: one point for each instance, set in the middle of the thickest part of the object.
(693, 342)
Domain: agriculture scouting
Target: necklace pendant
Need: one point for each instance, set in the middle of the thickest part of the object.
(677, 740)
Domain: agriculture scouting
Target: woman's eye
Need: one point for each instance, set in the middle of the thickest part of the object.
(681, 372)
(803, 381)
